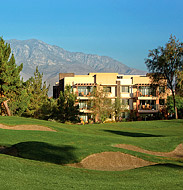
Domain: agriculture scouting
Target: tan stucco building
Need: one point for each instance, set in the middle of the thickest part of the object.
(135, 91)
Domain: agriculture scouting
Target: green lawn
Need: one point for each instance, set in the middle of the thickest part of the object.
(43, 152)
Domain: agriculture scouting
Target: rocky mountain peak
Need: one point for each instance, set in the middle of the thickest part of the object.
(51, 60)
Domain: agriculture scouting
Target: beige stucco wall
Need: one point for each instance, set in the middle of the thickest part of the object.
(141, 80)
(78, 79)
(106, 78)
(124, 95)
(130, 76)
(83, 76)
(125, 81)
(113, 91)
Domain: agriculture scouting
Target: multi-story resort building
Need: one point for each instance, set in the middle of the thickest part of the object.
(136, 92)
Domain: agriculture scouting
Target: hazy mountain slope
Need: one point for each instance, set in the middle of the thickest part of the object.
(52, 60)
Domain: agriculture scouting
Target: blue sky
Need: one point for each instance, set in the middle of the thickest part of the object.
(122, 29)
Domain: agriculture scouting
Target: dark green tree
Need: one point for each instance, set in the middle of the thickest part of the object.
(164, 64)
(179, 105)
(10, 83)
(49, 109)
(38, 93)
(22, 100)
(179, 87)
(117, 108)
(67, 109)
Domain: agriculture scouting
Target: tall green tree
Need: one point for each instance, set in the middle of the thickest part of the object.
(10, 82)
(22, 100)
(38, 93)
(67, 109)
(179, 105)
(101, 105)
(119, 108)
(179, 86)
(165, 62)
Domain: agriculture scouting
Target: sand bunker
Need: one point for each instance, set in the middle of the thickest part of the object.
(117, 161)
(111, 161)
(177, 153)
(26, 127)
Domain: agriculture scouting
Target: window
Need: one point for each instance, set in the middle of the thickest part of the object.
(125, 102)
(147, 90)
(125, 89)
(119, 77)
(84, 105)
(107, 89)
(84, 90)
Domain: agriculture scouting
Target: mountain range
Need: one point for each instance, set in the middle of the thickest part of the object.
(52, 60)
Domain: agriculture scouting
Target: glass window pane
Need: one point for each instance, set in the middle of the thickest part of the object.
(85, 90)
(125, 88)
(107, 89)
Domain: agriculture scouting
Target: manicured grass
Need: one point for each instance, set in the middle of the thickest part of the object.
(43, 152)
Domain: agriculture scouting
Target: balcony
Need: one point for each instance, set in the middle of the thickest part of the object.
(84, 107)
(148, 108)
(84, 94)
(140, 95)
(85, 110)
(84, 91)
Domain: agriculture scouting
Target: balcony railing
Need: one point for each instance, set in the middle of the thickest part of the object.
(148, 107)
(82, 94)
(85, 108)
(139, 94)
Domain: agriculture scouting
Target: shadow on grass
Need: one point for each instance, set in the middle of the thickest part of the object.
(169, 165)
(130, 134)
(45, 152)
(174, 121)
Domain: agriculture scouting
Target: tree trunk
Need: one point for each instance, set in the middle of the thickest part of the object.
(7, 108)
(174, 105)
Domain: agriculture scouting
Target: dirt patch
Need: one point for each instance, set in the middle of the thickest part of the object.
(111, 161)
(26, 127)
(177, 153)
